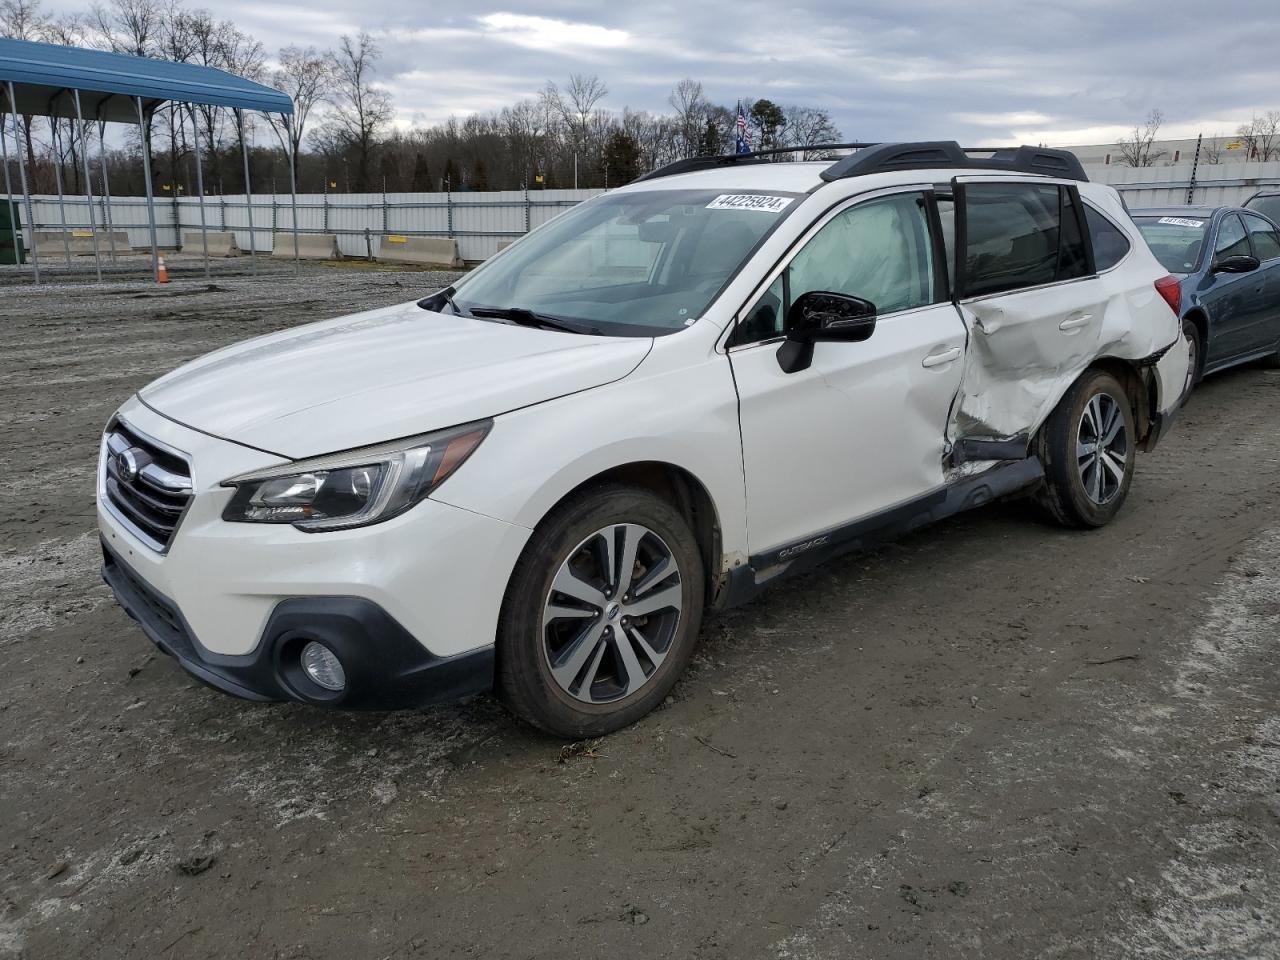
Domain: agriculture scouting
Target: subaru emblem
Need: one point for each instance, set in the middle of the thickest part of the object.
(127, 466)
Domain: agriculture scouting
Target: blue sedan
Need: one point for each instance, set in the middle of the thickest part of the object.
(1228, 260)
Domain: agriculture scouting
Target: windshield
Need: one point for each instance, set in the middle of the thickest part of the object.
(1268, 206)
(1176, 241)
(640, 263)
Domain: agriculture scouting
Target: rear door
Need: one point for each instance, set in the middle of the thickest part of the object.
(1028, 293)
(1265, 330)
(1235, 300)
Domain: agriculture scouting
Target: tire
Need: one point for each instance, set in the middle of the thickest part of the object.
(1195, 371)
(1085, 486)
(570, 663)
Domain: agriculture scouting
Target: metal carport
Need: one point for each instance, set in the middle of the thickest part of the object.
(42, 79)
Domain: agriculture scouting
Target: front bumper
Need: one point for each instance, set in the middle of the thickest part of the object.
(386, 668)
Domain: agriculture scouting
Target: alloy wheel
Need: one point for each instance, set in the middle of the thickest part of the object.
(1102, 448)
(612, 613)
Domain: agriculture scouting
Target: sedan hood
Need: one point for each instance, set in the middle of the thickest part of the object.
(381, 375)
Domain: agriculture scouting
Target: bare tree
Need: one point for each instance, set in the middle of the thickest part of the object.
(690, 104)
(1261, 136)
(22, 20)
(306, 75)
(809, 127)
(129, 26)
(1138, 149)
(360, 110)
(1211, 149)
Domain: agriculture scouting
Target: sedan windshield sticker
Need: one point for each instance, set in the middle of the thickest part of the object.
(1181, 222)
(749, 201)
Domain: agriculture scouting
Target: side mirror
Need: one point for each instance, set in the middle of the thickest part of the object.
(1241, 263)
(818, 315)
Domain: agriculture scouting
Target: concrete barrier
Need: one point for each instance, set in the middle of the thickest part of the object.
(426, 251)
(80, 242)
(311, 246)
(222, 243)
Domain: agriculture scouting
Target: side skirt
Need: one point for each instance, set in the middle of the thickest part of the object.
(764, 569)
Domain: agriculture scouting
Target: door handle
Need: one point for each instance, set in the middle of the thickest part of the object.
(938, 359)
(1075, 321)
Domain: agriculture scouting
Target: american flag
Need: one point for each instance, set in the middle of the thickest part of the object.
(744, 135)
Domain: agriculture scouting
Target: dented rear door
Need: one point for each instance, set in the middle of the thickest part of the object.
(1027, 292)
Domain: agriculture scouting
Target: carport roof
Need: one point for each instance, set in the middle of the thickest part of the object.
(44, 75)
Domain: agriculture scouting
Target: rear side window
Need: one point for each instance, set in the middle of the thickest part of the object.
(1268, 206)
(1020, 235)
(1110, 245)
(1266, 243)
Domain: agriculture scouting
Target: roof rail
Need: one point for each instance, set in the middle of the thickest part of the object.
(691, 164)
(888, 157)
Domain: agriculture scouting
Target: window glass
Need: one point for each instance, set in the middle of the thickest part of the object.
(1232, 241)
(1266, 242)
(1073, 256)
(878, 250)
(1110, 245)
(1014, 237)
(1176, 241)
(630, 263)
(1267, 205)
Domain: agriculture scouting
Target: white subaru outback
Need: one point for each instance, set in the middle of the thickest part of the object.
(539, 479)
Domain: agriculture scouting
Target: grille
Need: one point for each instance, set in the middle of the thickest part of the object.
(149, 485)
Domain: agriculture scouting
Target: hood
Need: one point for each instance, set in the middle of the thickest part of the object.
(381, 375)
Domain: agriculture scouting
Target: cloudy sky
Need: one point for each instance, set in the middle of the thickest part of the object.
(990, 71)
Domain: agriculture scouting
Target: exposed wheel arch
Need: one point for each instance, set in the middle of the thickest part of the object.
(679, 487)
(1141, 389)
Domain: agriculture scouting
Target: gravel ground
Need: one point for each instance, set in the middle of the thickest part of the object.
(992, 739)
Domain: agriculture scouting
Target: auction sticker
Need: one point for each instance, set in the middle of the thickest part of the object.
(749, 201)
(1181, 222)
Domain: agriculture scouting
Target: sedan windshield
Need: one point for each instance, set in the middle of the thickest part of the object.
(640, 263)
(1176, 241)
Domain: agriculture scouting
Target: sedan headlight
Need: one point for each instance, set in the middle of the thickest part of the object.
(354, 488)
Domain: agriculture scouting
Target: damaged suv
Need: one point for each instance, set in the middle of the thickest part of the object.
(667, 398)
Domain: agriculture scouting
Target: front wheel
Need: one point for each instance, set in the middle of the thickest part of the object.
(602, 613)
(1088, 449)
(1195, 360)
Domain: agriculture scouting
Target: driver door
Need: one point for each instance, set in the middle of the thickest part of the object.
(862, 428)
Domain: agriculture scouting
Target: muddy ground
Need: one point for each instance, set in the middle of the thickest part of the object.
(992, 739)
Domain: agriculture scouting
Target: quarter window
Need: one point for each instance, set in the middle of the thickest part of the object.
(1110, 245)
(1020, 235)
(878, 250)
(1266, 241)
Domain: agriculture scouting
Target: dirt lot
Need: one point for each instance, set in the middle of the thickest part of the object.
(993, 739)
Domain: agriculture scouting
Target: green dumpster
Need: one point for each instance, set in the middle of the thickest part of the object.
(11, 225)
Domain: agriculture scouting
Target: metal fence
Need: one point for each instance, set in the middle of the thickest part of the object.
(479, 221)
(1214, 184)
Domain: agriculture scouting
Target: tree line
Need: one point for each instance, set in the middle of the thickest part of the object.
(1259, 139)
(343, 133)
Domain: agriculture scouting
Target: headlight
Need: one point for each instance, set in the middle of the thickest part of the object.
(355, 488)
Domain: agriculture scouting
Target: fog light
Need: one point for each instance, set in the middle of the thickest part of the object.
(323, 667)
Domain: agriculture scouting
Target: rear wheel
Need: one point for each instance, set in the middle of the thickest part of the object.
(602, 613)
(1088, 450)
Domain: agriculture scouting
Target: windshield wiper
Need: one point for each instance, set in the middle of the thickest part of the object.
(443, 298)
(524, 317)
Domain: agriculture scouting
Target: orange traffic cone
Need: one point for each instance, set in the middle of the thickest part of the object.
(162, 272)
